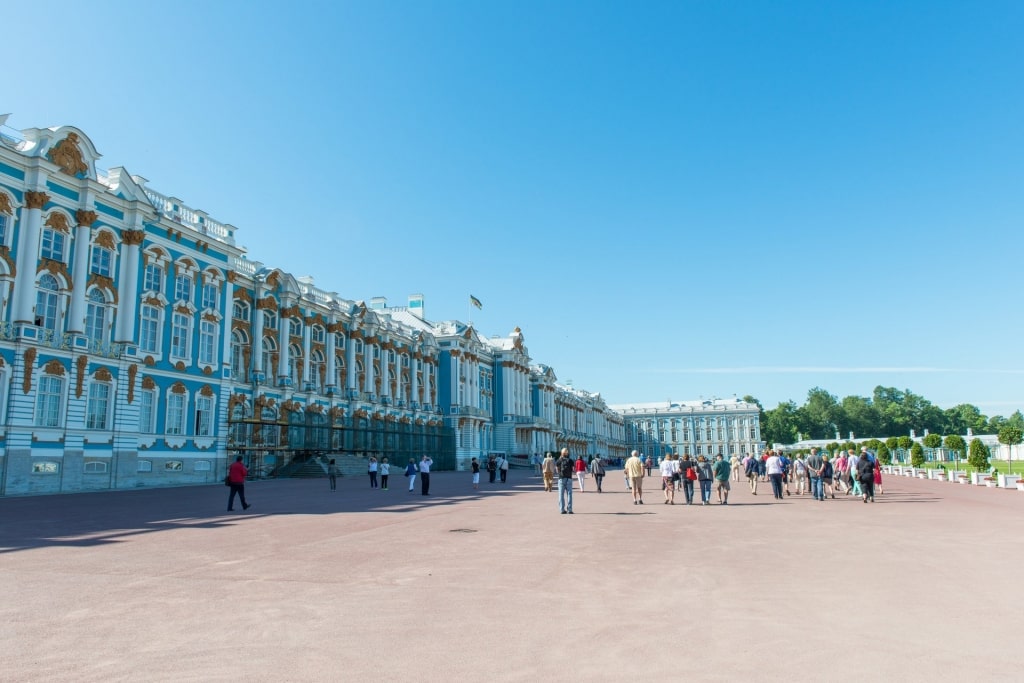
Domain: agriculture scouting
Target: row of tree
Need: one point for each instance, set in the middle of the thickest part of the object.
(888, 412)
(977, 453)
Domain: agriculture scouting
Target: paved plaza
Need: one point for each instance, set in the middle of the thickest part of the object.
(463, 585)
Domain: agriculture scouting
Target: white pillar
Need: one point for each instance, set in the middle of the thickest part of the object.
(28, 255)
(284, 325)
(257, 336)
(307, 340)
(351, 376)
(414, 366)
(80, 272)
(385, 367)
(332, 366)
(128, 285)
(368, 365)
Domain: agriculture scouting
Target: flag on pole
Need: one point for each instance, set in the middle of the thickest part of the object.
(476, 302)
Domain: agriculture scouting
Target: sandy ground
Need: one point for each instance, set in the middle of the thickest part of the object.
(495, 584)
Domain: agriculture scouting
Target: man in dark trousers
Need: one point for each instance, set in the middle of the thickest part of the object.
(425, 464)
(236, 480)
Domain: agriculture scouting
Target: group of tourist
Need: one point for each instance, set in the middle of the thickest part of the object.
(817, 473)
(422, 469)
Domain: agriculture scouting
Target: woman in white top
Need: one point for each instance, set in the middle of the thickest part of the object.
(372, 470)
(773, 468)
(669, 470)
(385, 470)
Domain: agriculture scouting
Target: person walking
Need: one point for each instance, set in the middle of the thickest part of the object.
(842, 469)
(332, 474)
(722, 470)
(634, 469)
(854, 463)
(410, 472)
(815, 467)
(476, 473)
(800, 473)
(704, 476)
(751, 470)
(385, 470)
(580, 468)
(425, 463)
(237, 473)
(492, 469)
(734, 463)
(371, 468)
(787, 468)
(547, 468)
(669, 471)
(866, 476)
(827, 473)
(687, 475)
(648, 464)
(773, 466)
(597, 470)
(878, 477)
(564, 467)
(503, 468)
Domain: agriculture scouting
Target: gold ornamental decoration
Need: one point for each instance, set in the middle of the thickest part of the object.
(68, 157)
(180, 366)
(58, 221)
(133, 238)
(54, 367)
(133, 370)
(30, 360)
(102, 375)
(148, 382)
(81, 364)
(86, 218)
(267, 303)
(36, 200)
(178, 388)
(206, 391)
(105, 239)
(242, 294)
(5, 204)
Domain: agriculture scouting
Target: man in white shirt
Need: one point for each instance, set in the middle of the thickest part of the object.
(425, 464)
(773, 468)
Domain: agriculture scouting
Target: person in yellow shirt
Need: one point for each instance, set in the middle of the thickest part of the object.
(547, 468)
(635, 472)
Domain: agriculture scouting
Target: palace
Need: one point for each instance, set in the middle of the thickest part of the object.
(709, 428)
(139, 346)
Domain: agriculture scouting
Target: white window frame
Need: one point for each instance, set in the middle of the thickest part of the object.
(51, 390)
(240, 310)
(183, 287)
(148, 403)
(203, 422)
(102, 261)
(181, 336)
(153, 278)
(49, 241)
(96, 315)
(47, 303)
(156, 323)
(178, 411)
(207, 342)
(239, 343)
(98, 406)
(210, 295)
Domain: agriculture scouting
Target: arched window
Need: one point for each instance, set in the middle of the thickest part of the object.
(96, 316)
(47, 300)
(295, 364)
(267, 362)
(239, 343)
(317, 370)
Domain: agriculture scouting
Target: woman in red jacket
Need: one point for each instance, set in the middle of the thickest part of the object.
(580, 468)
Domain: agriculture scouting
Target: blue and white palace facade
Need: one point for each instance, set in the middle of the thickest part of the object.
(139, 346)
(709, 428)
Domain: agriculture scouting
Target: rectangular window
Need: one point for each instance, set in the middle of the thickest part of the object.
(94, 322)
(182, 288)
(52, 245)
(269, 320)
(46, 309)
(179, 335)
(207, 342)
(48, 401)
(101, 261)
(210, 296)
(3, 228)
(175, 414)
(96, 408)
(149, 330)
(204, 416)
(153, 279)
(753, 433)
(147, 411)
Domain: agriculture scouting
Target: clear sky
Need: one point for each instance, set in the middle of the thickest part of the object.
(672, 200)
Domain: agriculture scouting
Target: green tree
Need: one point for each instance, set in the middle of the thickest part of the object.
(978, 455)
(932, 440)
(1016, 420)
(904, 442)
(956, 443)
(916, 455)
(892, 443)
(858, 415)
(1010, 436)
(818, 417)
(962, 417)
(779, 424)
(884, 456)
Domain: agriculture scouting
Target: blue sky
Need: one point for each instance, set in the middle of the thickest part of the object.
(672, 200)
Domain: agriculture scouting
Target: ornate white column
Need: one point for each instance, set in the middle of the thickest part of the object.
(427, 381)
(284, 326)
(385, 367)
(28, 255)
(368, 364)
(307, 347)
(256, 367)
(128, 286)
(399, 382)
(351, 376)
(414, 366)
(80, 272)
(332, 365)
